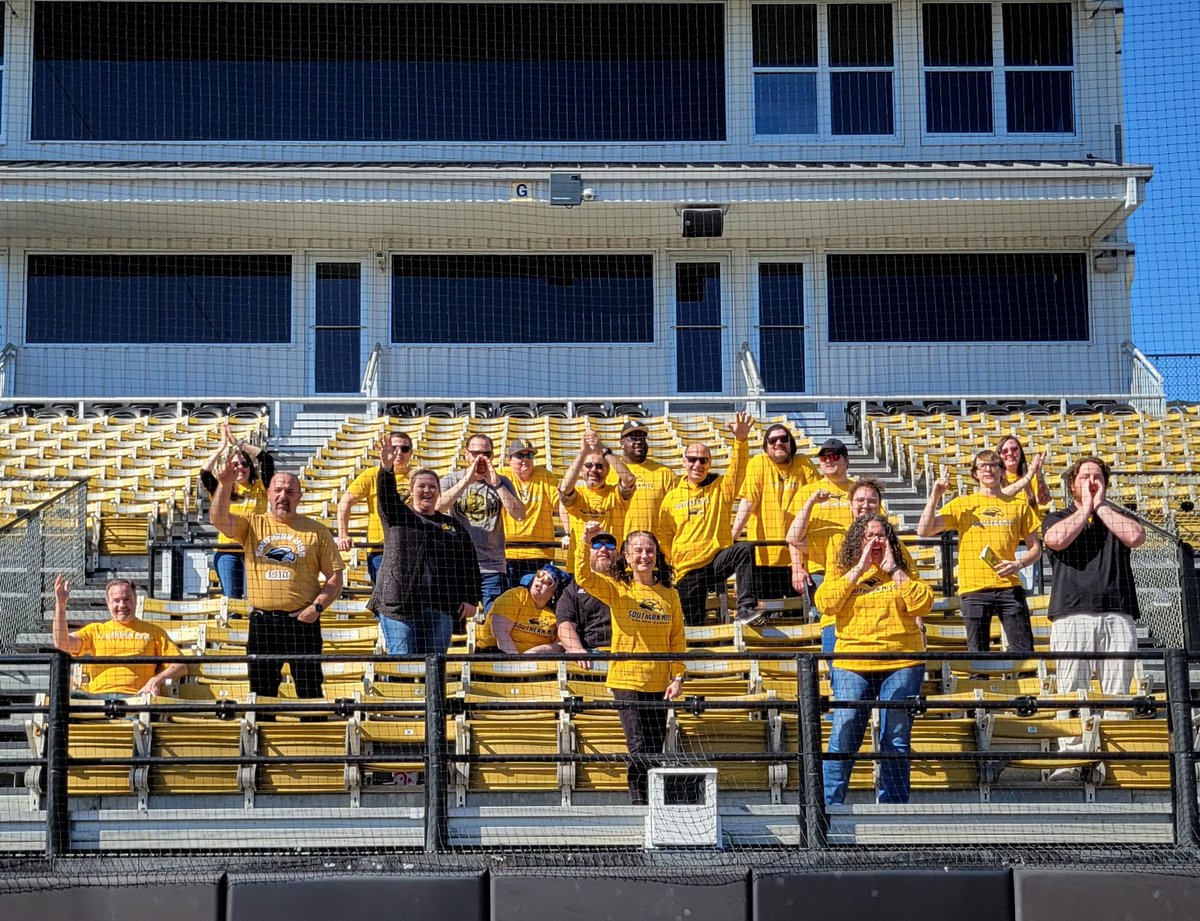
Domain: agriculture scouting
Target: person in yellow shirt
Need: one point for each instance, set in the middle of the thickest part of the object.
(594, 499)
(537, 488)
(522, 619)
(876, 602)
(653, 480)
(122, 635)
(990, 527)
(820, 510)
(1024, 477)
(362, 489)
(646, 618)
(772, 479)
(287, 556)
(695, 534)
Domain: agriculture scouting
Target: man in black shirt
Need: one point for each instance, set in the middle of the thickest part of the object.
(585, 622)
(1093, 604)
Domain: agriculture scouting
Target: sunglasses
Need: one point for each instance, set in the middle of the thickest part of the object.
(480, 453)
(604, 545)
(779, 440)
(524, 455)
(698, 460)
(594, 466)
(240, 463)
(403, 449)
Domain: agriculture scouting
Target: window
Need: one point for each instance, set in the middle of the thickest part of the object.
(1035, 78)
(405, 72)
(337, 319)
(824, 70)
(158, 299)
(698, 327)
(957, 297)
(522, 299)
(781, 326)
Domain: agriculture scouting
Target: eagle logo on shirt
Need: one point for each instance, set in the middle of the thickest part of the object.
(650, 604)
(990, 512)
(281, 555)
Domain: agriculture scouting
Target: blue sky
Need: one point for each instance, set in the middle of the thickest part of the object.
(1162, 98)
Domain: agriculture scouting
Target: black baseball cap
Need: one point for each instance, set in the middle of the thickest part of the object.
(833, 446)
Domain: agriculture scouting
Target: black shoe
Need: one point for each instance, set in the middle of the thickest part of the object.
(750, 616)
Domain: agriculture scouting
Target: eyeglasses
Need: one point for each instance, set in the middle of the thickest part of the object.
(986, 465)
(524, 455)
(484, 453)
(698, 460)
(594, 465)
(779, 440)
(604, 545)
(829, 458)
(240, 463)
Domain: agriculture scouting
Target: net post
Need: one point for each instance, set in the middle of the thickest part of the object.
(1189, 596)
(812, 788)
(1183, 763)
(947, 541)
(58, 817)
(436, 826)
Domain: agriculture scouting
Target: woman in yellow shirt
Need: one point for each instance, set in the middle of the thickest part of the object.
(255, 467)
(646, 618)
(876, 603)
(1024, 477)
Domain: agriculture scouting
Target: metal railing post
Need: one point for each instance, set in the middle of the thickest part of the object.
(58, 815)
(947, 564)
(812, 786)
(1183, 763)
(437, 829)
(1189, 597)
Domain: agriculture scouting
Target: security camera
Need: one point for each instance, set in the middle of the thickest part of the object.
(588, 194)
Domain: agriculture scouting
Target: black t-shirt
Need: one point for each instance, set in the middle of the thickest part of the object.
(591, 617)
(1093, 574)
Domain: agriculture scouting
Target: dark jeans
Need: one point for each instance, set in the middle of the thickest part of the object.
(774, 582)
(276, 633)
(645, 734)
(978, 609)
(373, 561)
(231, 573)
(737, 561)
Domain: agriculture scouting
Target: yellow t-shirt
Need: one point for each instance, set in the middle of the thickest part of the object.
(531, 626)
(603, 504)
(1000, 522)
(540, 496)
(284, 562)
(827, 521)
(875, 615)
(645, 619)
(654, 481)
(695, 524)
(251, 500)
(771, 487)
(364, 486)
(111, 638)
(1039, 510)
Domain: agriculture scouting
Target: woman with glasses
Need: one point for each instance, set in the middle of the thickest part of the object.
(429, 577)
(362, 489)
(255, 467)
(646, 618)
(1023, 477)
(876, 601)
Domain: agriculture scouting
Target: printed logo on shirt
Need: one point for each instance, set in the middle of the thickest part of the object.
(993, 516)
(281, 555)
(479, 504)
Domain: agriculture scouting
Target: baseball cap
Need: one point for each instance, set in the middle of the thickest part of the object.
(520, 444)
(605, 535)
(833, 446)
(634, 427)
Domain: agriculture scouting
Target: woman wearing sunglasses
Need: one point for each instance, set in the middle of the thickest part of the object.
(255, 467)
(646, 618)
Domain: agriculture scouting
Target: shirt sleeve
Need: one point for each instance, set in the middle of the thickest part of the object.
(918, 597)
(599, 585)
(567, 609)
(327, 552)
(731, 482)
(834, 593)
(950, 513)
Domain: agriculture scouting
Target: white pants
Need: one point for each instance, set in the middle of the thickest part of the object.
(1083, 632)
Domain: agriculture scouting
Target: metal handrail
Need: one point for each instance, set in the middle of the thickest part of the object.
(1146, 381)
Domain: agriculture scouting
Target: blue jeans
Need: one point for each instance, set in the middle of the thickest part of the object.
(231, 572)
(429, 632)
(493, 585)
(895, 727)
(373, 561)
(397, 636)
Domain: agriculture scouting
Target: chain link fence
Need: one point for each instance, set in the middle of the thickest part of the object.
(1181, 374)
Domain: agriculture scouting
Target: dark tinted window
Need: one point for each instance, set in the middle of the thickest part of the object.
(420, 72)
(958, 102)
(860, 35)
(158, 299)
(1040, 101)
(781, 326)
(1011, 297)
(785, 35)
(337, 314)
(861, 102)
(698, 327)
(957, 34)
(516, 299)
(1037, 35)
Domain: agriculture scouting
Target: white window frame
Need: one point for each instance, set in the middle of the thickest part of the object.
(998, 69)
(824, 71)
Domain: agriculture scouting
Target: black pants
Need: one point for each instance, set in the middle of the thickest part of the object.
(275, 633)
(737, 561)
(978, 609)
(645, 734)
(774, 582)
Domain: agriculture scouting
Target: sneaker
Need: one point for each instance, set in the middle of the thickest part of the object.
(750, 616)
(1065, 775)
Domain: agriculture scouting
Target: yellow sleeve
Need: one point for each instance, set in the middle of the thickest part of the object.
(664, 530)
(917, 596)
(599, 585)
(950, 513)
(752, 486)
(362, 484)
(834, 593)
(731, 482)
(85, 635)
(677, 641)
(328, 553)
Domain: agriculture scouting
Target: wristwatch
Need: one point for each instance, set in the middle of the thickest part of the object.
(318, 607)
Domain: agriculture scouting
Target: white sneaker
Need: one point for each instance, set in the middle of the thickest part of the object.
(1065, 775)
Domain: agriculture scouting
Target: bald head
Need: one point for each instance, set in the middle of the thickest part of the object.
(697, 459)
(283, 495)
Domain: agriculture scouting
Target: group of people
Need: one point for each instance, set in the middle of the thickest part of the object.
(644, 549)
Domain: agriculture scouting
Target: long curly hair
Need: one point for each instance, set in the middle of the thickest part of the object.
(664, 572)
(853, 544)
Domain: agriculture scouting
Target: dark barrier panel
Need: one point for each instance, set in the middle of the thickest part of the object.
(1114, 895)
(525, 898)
(113, 899)
(885, 895)
(462, 897)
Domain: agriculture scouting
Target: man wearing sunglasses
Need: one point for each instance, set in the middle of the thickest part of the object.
(594, 499)
(584, 621)
(654, 480)
(362, 489)
(475, 496)
(694, 529)
(772, 480)
(537, 488)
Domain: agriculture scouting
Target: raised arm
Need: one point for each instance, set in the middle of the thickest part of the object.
(64, 639)
(219, 514)
(589, 445)
(598, 585)
(452, 493)
(626, 481)
(931, 522)
(731, 484)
